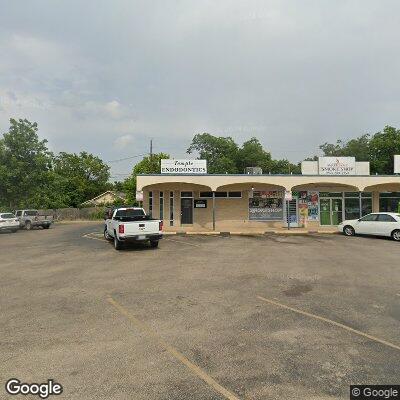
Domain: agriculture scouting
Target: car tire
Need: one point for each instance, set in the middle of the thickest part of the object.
(349, 230)
(46, 226)
(396, 235)
(117, 243)
(106, 235)
(153, 243)
(28, 225)
(14, 230)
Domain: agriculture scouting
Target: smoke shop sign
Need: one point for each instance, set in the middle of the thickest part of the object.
(183, 166)
(336, 165)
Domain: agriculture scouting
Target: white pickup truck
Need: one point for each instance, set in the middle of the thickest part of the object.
(131, 224)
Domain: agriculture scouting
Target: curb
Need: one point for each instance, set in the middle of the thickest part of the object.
(256, 233)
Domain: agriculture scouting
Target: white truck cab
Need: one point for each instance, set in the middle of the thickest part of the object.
(131, 224)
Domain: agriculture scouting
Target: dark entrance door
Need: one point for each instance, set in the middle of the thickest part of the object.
(186, 211)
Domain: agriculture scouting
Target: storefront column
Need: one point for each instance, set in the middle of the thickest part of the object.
(375, 201)
(213, 210)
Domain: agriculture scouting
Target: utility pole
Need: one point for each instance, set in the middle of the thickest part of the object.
(151, 149)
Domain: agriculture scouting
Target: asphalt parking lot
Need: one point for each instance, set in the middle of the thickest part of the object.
(266, 317)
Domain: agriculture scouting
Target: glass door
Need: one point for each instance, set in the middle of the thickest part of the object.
(325, 211)
(336, 207)
(293, 213)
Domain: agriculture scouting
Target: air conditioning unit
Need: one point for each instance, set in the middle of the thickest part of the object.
(253, 171)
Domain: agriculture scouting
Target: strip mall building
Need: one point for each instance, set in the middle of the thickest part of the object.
(328, 191)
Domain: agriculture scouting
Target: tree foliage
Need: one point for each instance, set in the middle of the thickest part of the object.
(223, 155)
(148, 165)
(81, 176)
(379, 149)
(25, 163)
(31, 176)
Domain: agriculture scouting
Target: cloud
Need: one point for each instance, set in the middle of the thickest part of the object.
(123, 141)
(293, 74)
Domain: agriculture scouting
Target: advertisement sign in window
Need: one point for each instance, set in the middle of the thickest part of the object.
(266, 206)
(313, 207)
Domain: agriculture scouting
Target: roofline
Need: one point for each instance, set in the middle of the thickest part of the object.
(107, 191)
(286, 175)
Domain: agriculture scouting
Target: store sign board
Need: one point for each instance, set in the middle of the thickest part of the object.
(200, 204)
(171, 166)
(397, 164)
(336, 165)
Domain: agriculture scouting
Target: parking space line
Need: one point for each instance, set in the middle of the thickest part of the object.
(172, 351)
(87, 236)
(181, 242)
(347, 328)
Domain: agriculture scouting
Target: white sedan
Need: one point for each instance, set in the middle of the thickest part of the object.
(8, 222)
(379, 224)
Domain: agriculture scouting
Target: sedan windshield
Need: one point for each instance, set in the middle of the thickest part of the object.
(9, 215)
(130, 214)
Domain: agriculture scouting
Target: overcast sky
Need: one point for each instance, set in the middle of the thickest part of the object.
(106, 76)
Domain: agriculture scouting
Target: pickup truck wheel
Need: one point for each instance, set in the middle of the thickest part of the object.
(28, 225)
(106, 235)
(153, 243)
(117, 243)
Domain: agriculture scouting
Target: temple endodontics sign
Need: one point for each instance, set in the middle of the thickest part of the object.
(183, 166)
(336, 165)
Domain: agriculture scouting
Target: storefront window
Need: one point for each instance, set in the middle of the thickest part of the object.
(171, 208)
(356, 201)
(266, 206)
(161, 205)
(208, 195)
(150, 203)
(352, 208)
(389, 202)
(366, 206)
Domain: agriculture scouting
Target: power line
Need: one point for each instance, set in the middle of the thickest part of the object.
(127, 158)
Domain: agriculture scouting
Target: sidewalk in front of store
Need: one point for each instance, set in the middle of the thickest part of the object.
(250, 231)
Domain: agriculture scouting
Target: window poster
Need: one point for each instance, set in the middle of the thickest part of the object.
(313, 207)
(303, 207)
(266, 206)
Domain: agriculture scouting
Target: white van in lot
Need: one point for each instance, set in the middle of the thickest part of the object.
(8, 222)
(377, 224)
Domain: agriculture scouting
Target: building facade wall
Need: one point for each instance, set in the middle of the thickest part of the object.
(232, 214)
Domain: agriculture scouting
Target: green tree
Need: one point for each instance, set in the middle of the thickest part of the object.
(358, 148)
(81, 176)
(148, 165)
(252, 154)
(379, 149)
(25, 162)
(223, 155)
(220, 152)
(283, 167)
(383, 146)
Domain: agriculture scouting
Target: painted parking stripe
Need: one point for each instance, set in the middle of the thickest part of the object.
(90, 236)
(347, 328)
(182, 242)
(174, 352)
